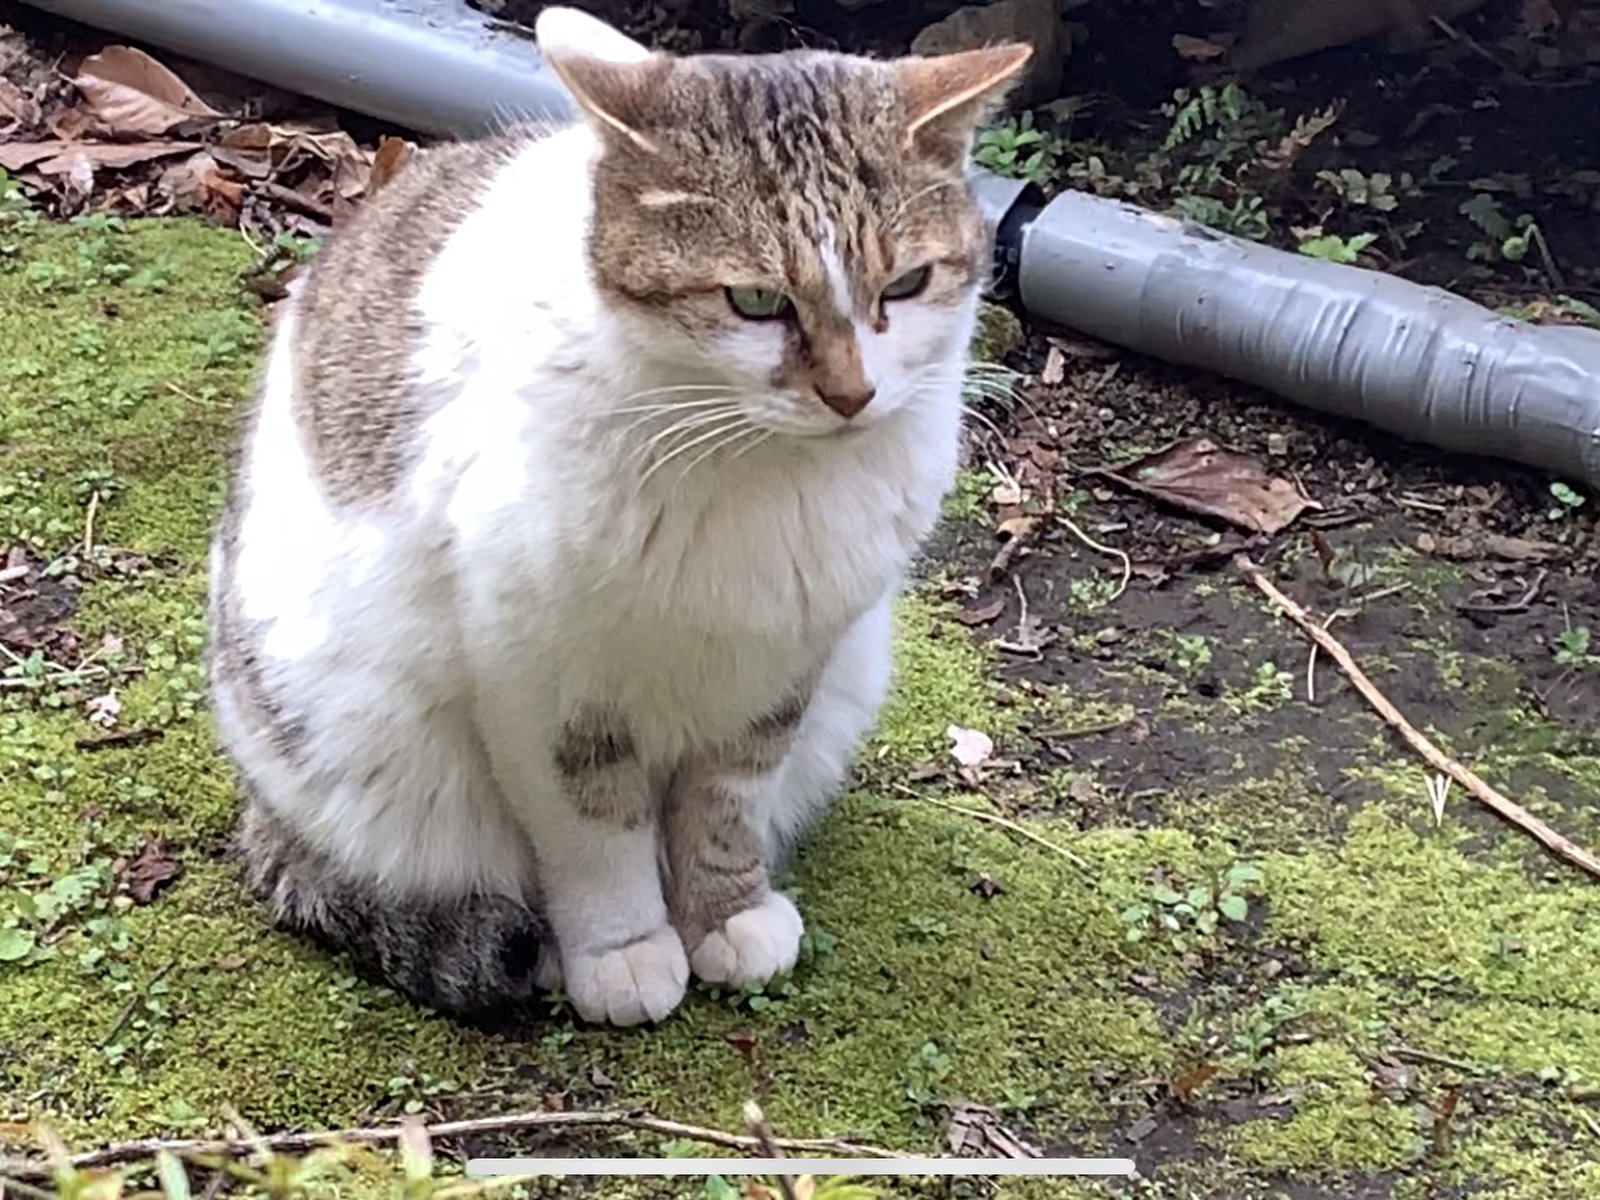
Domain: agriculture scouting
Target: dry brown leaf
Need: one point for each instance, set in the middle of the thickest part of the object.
(73, 158)
(1196, 49)
(1540, 16)
(198, 185)
(134, 94)
(1496, 545)
(16, 156)
(1278, 30)
(391, 155)
(16, 108)
(148, 871)
(1202, 477)
(70, 124)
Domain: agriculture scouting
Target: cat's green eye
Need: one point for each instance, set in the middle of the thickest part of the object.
(758, 304)
(908, 285)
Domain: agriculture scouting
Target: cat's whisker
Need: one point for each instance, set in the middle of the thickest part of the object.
(670, 436)
(730, 440)
(690, 418)
(670, 389)
(683, 448)
(670, 405)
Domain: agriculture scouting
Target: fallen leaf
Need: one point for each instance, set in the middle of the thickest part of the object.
(134, 94)
(1195, 49)
(1055, 367)
(1540, 16)
(62, 157)
(231, 962)
(391, 155)
(148, 871)
(970, 748)
(1497, 545)
(1202, 477)
(70, 124)
(982, 614)
(1186, 1083)
(15, 106)
(1014, 528)
(986, 885)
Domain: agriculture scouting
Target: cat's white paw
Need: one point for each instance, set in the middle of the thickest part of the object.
(751, 946)
(642, 981)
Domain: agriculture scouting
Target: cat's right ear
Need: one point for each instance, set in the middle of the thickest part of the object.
(611, 76)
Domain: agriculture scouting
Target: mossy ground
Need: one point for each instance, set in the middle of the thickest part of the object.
(1385, 963)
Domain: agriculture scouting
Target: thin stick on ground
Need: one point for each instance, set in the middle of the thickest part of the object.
(1110, 551)
(88, 523)
(295, 1143)
(1003, 822)
(1558, 845)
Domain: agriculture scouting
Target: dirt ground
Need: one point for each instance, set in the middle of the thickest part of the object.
(1222, 929)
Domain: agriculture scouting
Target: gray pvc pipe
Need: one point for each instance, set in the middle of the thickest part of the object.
(1416, 361)
(431, 65)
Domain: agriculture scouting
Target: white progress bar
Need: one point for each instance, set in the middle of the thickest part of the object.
(485, 1167)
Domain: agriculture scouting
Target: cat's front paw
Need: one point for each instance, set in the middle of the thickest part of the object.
(751, 946)
(641, 981)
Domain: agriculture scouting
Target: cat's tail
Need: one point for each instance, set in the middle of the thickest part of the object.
(483, 957)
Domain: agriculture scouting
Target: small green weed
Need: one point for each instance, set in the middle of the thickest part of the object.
(926, 1073)
(1572, 647)
(1567, 501)
(1192, 652)
(1332, 248)
(1019, 149)
(1508, 240)
(1179, 915)
(1268, 689)
(1379, 191)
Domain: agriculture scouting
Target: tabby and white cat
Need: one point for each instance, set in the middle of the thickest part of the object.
(551, 599)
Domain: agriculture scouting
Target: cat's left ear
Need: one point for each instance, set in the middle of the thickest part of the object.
(611, 76)
(949, 96)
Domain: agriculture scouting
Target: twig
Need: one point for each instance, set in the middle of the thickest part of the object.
(994, 819)
(137, 736)
(756, 1121)
(1311, 660)
(185, 394)
(132, 1006)
(1112, 551)
(1515, 606)
(289, 198)
(121, 1152)
(1561, 847)
(88, 522)
(12, 574)
(1408, 1054)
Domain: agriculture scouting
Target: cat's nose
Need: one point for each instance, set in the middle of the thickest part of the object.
(847, 402)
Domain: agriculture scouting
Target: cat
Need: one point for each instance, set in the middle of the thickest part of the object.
(551, 598)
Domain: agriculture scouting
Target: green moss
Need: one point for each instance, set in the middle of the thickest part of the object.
(965, 500)
(147, 1019)
(999, 332)
(1338, 1124)
(940, 681)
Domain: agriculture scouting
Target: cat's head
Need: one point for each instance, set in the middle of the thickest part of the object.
(796, 226)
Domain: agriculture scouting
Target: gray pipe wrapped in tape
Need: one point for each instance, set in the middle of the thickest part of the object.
(1416, 361)
(430, 65)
